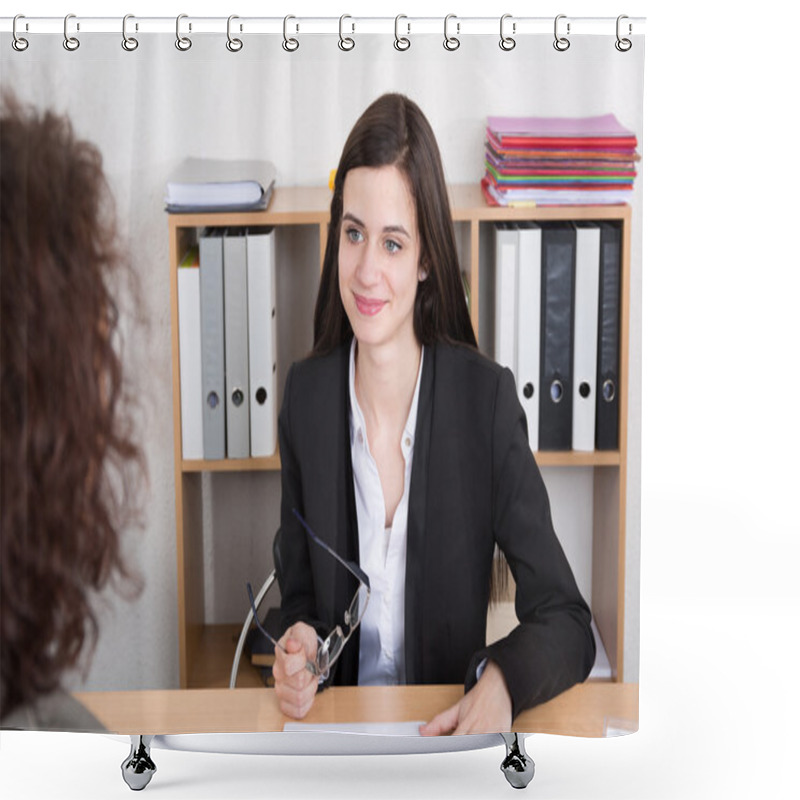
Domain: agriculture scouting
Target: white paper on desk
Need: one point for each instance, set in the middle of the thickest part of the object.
(370, 728)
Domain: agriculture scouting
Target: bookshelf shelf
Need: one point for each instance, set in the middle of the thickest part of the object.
(206, 651)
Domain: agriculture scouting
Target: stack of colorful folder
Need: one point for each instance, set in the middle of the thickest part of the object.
(558, 161)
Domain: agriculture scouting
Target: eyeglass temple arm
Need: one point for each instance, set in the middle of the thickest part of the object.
(252, 616)
(254, 605)
(348, 565)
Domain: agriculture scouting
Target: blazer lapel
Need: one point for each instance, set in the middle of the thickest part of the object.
(417, 508)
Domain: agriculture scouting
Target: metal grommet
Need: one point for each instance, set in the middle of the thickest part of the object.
(183, 43)
(451, 42)
(70, 42)
(290, 44)
(401, 43)
(609, 390)
(18, 42)
(346, 43)
(507, 42)
(561, 43)
(233, 44)
(623, 45)
(556, 391)
(128, 42)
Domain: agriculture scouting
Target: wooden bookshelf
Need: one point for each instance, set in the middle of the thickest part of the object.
(205, 651)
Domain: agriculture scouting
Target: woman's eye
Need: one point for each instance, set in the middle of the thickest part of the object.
(393, 246)
(354, 235)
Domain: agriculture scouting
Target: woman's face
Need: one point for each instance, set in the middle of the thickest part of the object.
(379, 252)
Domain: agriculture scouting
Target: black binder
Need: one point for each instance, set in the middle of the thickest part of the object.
(558, 300)
(607, 421)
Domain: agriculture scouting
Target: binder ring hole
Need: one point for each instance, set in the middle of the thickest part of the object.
(556, 391)
(584, 389)
(609, 390)
(237, 397)
(261, 395)
(528, 390)
(212, 400)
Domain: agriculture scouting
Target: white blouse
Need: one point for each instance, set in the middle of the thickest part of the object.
(382, 550)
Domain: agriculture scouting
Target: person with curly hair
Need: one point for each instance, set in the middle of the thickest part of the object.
(67, 450)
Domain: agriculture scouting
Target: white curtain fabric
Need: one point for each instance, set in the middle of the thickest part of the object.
(148, 109)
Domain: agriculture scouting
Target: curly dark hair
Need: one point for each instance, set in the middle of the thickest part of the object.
(67, 448)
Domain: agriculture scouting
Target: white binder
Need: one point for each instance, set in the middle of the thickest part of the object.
(190, 363)
(237, 384)
(212, 344)
(529, 325)
(505, 306)
(262, 328)
(584, 372)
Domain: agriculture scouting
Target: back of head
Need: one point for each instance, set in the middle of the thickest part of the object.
(59, 397)
(393, 131)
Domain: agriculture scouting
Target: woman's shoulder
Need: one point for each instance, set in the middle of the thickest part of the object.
(326, 367)
(469, 362)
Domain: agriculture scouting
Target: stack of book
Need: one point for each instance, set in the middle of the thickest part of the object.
(204, 184)
(553, 161)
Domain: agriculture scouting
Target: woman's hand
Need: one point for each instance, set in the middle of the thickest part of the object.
(295, 686)
(486, 708)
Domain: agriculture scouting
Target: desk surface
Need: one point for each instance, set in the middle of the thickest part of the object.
(589, 709)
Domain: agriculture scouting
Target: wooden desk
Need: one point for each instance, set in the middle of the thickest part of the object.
(588, 709)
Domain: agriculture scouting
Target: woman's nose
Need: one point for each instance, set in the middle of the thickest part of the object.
(367, 268)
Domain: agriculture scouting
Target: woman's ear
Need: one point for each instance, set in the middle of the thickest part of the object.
(423, 273)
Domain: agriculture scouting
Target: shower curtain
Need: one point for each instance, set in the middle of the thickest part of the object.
(237, 92)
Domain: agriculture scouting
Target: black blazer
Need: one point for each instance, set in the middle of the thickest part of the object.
(474, 484)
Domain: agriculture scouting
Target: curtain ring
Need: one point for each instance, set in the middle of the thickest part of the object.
(401, 42)
(18, 42)
(561, 43)
(70, 42)
(233, 44)
(183, 43)
(623, 45)
(128, 42)
(507, 42)
(346, 43)
(289, 44)
(451, 42)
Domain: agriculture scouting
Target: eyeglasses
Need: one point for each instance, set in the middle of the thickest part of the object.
(329, 649)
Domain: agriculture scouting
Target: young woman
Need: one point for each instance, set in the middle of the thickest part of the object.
(406, 451)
